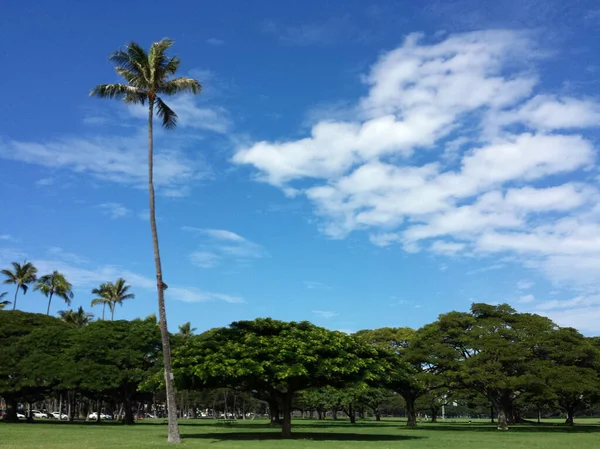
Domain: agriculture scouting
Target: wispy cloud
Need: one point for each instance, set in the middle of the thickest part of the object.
(91, 276)
(526, 299)
(7, 237)
(327, 314)
(114, 210)
(333, 30)
(314, 285)
(221, 245)
(524, 284)
(44, 182)
(215, 41)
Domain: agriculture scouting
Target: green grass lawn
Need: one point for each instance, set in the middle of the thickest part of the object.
(307, 435)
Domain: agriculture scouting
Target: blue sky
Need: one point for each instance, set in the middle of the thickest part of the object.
(350, 163)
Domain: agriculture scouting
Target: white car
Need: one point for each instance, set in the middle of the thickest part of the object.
(93, 415)
(58, 415)
(20, 416)
(38, 414)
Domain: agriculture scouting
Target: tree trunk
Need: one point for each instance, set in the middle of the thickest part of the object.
(320, 414)
(103, 309)
(11, 410)
(434, 414)
(334, 413)
(128, 419)
(49, 301)
(160, 285)
(351, 414)
(112, 313)
(377, 415)
(15, 301)
(570, 416)
(98, 408)
(286, 427)
(411, 413)
(502, 418)
(492, 413)
(60, 406)
(274, 412)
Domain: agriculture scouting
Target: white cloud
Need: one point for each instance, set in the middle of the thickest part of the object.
(215, 41)
(8, 237)
(220, 245)
(114, 210)
(526, 299)
(442, 247)
(431, 162)
(325, 313)
(525, 284)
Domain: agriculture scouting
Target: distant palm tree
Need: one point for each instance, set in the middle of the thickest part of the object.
(3, 304)
(186, 330)
(21, 276)
(55, 284)
(112, 294)
(79, 318)
(147, 76)
(118, 294)
(103, 298)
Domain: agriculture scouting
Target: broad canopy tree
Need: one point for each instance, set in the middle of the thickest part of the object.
(274, 357)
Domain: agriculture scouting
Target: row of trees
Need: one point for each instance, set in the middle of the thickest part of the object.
(55, 284)
(518, 364)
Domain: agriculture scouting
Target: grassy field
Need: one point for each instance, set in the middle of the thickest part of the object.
(307, 435)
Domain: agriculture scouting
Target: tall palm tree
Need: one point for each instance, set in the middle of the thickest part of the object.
(79, 318)
(21, 276)
(117, 293)
(103, 298)
(55, 284)
(186, 330)
(3, 304)
(149, 75)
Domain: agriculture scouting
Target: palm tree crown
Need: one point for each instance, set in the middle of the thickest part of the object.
(148, 76)
(112, 294)
(55, 284)
(102, 298)
(79, 318)
(186, 330)
(21, 276)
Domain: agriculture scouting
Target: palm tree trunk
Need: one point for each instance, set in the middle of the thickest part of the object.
(103, 309)
(49, 301)
(170, 390)
(16, 293)
(112, 313)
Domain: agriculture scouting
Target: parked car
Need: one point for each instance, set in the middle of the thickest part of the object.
(58, 415)
(103, 416)
(20, 415)
(93, 415)
(150, 416)
(38, 414)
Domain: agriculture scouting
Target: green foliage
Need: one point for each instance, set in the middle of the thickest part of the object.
(55, 284)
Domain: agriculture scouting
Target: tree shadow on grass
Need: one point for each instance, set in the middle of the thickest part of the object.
(522, 428)
(315, 436)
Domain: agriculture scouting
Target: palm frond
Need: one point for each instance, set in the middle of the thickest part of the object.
(179, 85)
(119, 91)
(158, 60)
(171, 65)
(167, 115)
